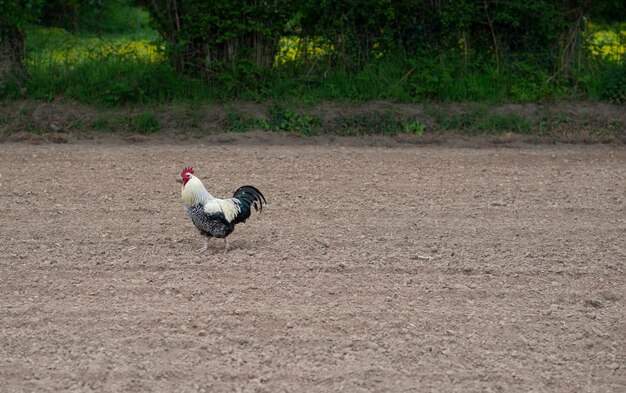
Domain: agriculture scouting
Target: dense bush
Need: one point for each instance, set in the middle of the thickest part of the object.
(406, 50)
(614, 84)
(208, 37)
(221, 40)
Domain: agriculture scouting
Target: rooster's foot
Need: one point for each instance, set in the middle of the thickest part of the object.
(204, 248)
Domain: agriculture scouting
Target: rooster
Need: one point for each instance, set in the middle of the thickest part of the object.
(215, 217)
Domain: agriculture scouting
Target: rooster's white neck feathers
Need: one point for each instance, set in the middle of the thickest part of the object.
(194, 193)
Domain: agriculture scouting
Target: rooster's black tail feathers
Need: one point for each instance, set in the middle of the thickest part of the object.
(248, 196)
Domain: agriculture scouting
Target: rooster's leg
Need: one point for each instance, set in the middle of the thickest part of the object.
(227, 245)
(206, 245)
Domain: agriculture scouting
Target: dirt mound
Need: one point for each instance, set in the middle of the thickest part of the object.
(380, 122)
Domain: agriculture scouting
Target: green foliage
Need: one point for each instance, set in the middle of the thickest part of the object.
(368, 124)
(402, 50)
(207, 38)
(217, 40)
(448, 121)
(414, 127)
(101, 124)
(144, 123)
(449, 78)
(549, 123)
(100, 16)
(189, 117)
(507, 29)
(529, 82)
(17, 13)
(114, 82)
(359, 30)
(284, 119)
(107, 71)
(479, 120)
(31, 128)
(10, 89)
(613, 85)
(236, 122)
(497, 123)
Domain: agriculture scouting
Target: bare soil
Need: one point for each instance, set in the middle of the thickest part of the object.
(372, 269)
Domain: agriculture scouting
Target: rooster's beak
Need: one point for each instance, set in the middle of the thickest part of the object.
(179, 180)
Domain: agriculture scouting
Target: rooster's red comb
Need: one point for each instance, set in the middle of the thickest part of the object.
(186, 170)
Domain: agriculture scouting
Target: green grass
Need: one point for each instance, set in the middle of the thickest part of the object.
(479, 120)
(368, 124)
(145, 123)
(114, 82)
(496, 123)
(122, 81)
(236, 122)
(101, 124)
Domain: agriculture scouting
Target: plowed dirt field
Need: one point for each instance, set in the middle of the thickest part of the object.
(371, 269)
